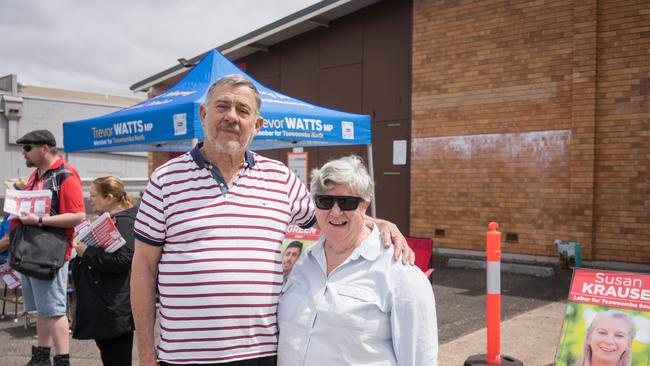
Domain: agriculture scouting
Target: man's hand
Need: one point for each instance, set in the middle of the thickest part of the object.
(28, 219)
(4, 243)
(390, 235)
(148, 359)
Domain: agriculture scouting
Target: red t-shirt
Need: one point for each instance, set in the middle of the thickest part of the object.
(70, 198)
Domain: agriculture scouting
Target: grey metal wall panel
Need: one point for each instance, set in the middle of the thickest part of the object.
(387, 60)
(342, 43)
(299, 67)
(341, 88)
(359, 63)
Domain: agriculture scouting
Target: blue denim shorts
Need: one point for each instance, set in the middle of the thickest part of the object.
(47, 297)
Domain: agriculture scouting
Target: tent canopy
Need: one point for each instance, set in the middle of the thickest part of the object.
(170, 121)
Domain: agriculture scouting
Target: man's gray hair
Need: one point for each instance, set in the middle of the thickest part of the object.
(235, 80)
(348, 171)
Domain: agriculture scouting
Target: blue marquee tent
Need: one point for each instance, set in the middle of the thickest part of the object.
(170, 121)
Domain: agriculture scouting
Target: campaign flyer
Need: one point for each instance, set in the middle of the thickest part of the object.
(22, 202)
(101, 232)
(607, 320)
(294, 244)
(9, 276)
(306, 236)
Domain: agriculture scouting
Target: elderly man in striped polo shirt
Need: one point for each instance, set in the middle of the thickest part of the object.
(209, 230)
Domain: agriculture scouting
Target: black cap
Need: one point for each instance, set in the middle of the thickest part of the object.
(44, 137)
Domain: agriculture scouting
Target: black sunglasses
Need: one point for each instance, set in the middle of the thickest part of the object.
(29, 147)
(346, 203)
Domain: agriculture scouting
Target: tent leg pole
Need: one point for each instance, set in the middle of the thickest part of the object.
(373, 206)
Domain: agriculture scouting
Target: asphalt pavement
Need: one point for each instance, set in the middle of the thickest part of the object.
(528, 302)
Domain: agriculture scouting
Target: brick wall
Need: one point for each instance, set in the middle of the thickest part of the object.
(518, 111)
(622, 199)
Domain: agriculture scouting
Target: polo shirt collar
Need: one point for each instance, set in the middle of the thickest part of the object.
(59, 161)
(200, 160)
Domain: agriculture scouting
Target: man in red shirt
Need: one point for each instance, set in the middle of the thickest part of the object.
(67, 209)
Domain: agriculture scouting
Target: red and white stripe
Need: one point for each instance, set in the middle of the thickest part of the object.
(220, 272)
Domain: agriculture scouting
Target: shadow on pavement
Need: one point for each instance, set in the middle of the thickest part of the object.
(17, 330)
(460, 296)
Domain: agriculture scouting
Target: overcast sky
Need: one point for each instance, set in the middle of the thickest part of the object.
(106, 46)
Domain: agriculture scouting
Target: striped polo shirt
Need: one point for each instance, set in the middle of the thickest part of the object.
(220, 272)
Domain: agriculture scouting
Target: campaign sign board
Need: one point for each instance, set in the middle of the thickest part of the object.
(298, 162)
(607, 320)
(304, 238)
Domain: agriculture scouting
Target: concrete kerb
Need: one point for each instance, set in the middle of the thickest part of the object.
(542, 266)
(541, 271)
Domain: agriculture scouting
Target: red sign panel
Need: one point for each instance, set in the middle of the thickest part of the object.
(616, 289)
(295, 232)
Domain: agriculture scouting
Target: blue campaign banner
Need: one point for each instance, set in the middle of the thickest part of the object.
(170, 121)
(320, 127)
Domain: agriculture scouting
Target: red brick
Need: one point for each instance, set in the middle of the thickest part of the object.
(593, 186)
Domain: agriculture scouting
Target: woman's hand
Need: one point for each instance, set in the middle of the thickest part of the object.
(80, 247)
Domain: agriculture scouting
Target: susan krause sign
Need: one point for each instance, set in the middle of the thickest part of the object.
(607, 320)
(618, 289)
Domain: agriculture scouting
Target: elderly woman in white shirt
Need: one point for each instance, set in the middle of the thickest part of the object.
(346, 301)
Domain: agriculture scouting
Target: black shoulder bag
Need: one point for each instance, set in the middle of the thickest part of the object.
(38, 251)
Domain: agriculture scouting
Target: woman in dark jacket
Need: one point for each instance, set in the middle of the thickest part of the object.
(101, 279)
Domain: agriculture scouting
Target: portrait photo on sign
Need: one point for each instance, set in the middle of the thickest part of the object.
(294, 244)
(603, 335)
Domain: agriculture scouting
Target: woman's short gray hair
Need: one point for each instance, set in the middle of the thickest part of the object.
(348, 171)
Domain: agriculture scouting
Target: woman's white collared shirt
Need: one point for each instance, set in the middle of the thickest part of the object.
(371, 310)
